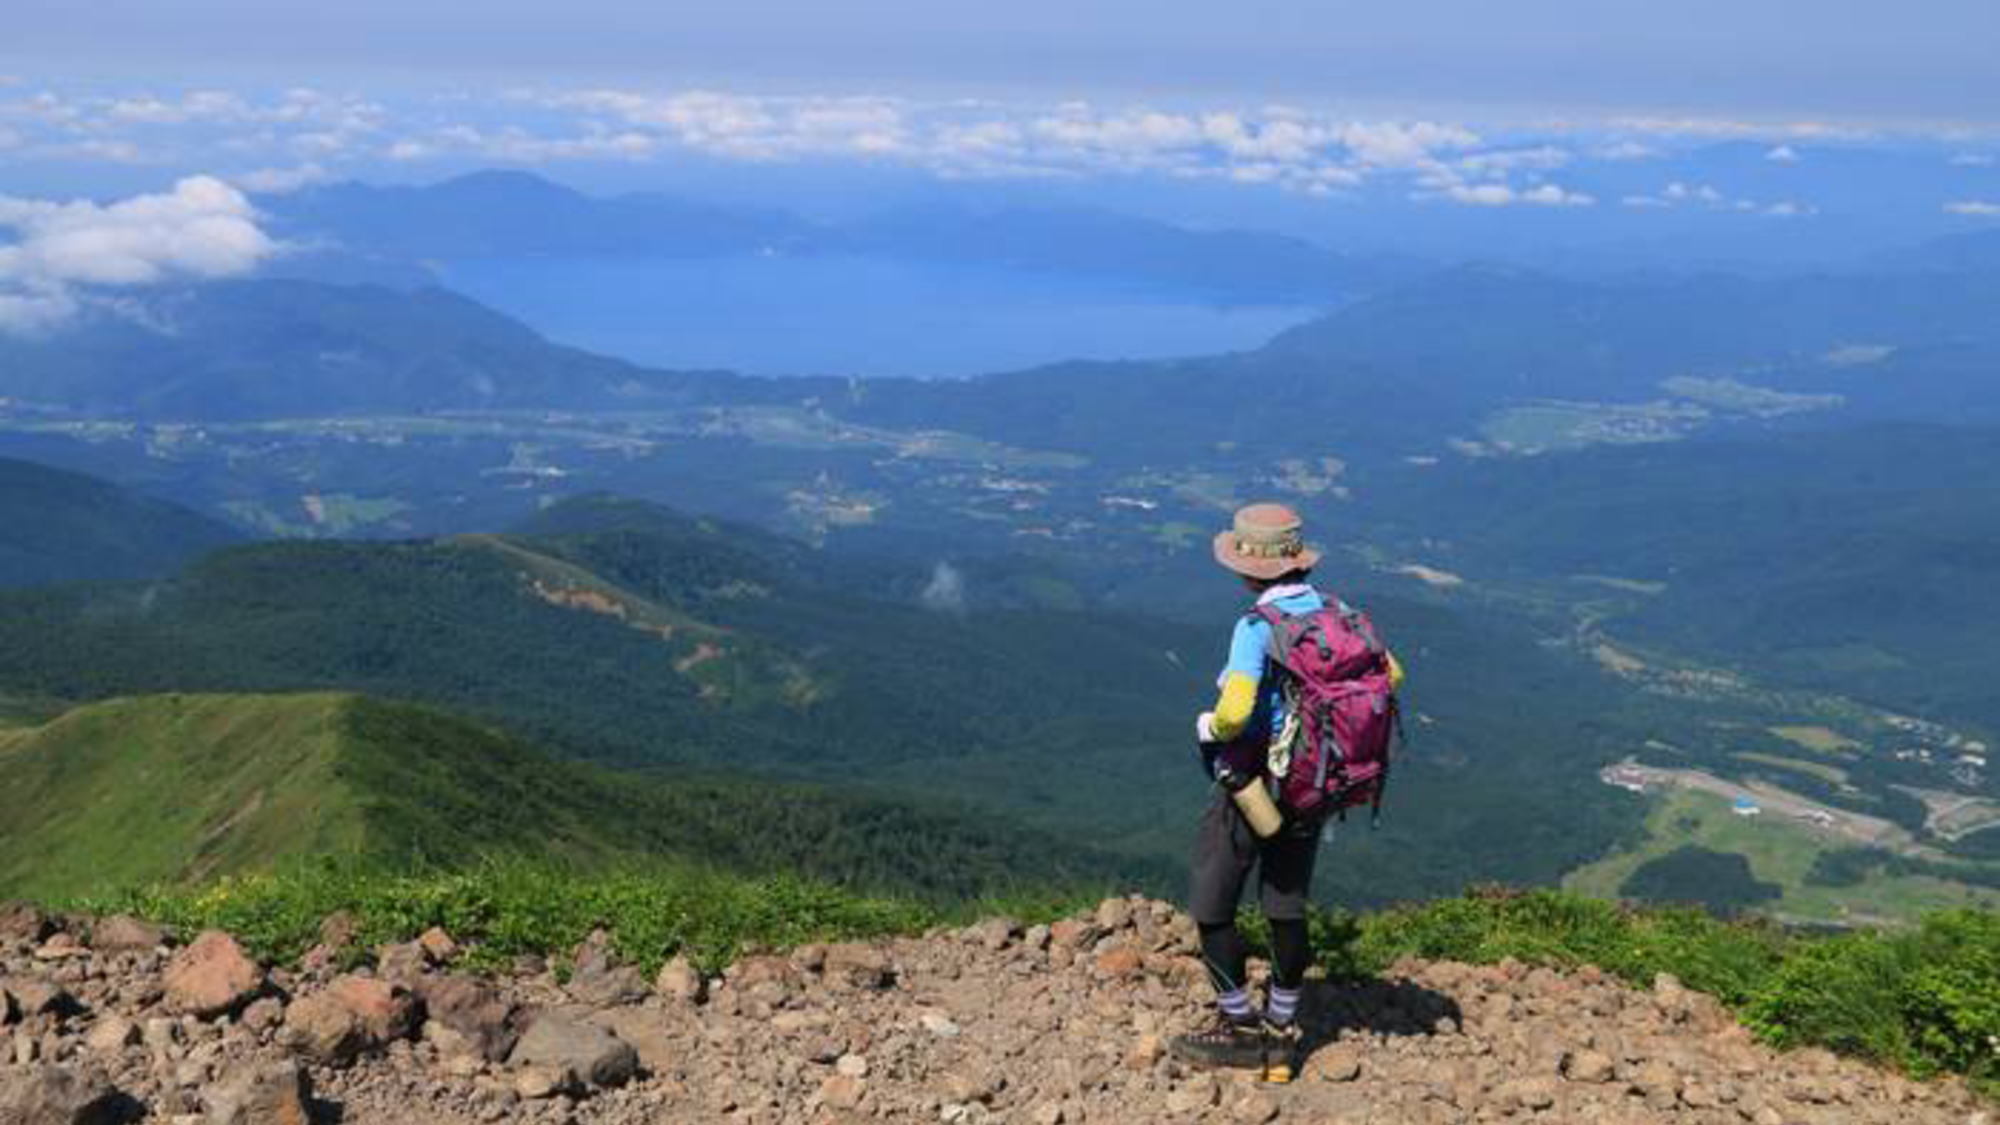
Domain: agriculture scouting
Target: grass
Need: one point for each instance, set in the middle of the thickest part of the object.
(1832, 775)
(1778, 852)
(1822, 740)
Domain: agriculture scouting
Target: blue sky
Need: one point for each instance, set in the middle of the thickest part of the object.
(134, 134)
(1843, 58)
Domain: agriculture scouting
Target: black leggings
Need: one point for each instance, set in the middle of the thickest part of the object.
(1223, 948)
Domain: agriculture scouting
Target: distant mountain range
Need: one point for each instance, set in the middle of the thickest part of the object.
(517, 214)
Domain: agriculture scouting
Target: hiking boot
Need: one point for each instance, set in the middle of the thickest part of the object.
(1225, 1042)
(1281, 1051)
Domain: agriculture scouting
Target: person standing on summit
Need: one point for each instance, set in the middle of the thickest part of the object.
(1300, 731)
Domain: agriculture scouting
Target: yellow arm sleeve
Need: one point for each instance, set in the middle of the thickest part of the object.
(1395, 673)
(1232, 710)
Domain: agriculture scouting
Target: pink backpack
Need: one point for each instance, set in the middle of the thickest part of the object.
(1340, 707)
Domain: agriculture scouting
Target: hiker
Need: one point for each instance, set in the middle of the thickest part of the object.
(1300, 732)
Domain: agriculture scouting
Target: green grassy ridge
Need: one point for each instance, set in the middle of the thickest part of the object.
(183, 789)
(1926, 1000)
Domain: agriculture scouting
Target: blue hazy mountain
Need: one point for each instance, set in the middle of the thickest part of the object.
(58, 526)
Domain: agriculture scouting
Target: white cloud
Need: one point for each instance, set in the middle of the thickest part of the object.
(945, 592)
(1783, 154)
(1500, 195)
(280, 181)
(1979, 208)
(203, 228)
(1391, 144)
(1790, 209)
(1972, 160)
(1723, 128)
(1678, 192)
(1627, 150)
(1500, 162)
(1653, 201)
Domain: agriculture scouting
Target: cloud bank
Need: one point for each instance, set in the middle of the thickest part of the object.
(60, 253)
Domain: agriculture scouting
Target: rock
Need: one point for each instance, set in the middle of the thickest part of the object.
(599, 980)
(262, 1093)
(994, 934)
(352, 1017)
(401, 962)
(1340, 1063)
(24, 923)
(537, 1082)
(1254, 1109)
(1145, 1051)
(843, 1091)
(680, 981)
(1528, 1093)
(858, 965)
(122, 933)
(1658, 1081)
(595, 1055)
(111, 1034)
(60, 1095)
(161, 1035)
(1047, 1113)
(1119, 962)
(40, 996)
(61, 946)
(486, 1022)
(1587, 1066)
(9, 1011)
(938, 1025)
(211, 977)
(263, 1013)
(1071, 934)
(853, 1066)
(437, 945)
(1114, 914)
(1193, 1096)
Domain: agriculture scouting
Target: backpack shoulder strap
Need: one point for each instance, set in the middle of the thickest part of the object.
(1356, 622)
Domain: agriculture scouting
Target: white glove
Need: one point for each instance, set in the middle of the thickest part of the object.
(1204, 727)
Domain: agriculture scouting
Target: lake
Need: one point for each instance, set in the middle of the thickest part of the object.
(863, 316)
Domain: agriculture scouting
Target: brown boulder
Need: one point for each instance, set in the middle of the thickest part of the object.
(211, 977)
(22, 922)
(680, 981)
(859, 965)
(600, 980)
(122, 933)
(1587, 1066)
(483, 1020)
(274, 1093)
(1119, 962)
(40, 996)
(402, 962)
(351, 1017)
(61, 946)
(60, 1095)
(437, 945)
(593, 1054)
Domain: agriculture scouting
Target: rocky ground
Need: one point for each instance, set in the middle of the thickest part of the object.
(112, 1020)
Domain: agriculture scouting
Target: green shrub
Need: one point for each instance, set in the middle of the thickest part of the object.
(508, 909)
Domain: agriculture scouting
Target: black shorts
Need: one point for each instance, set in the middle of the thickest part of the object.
(1225, 849)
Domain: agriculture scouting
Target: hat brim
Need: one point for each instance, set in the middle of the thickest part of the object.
(1252, 566)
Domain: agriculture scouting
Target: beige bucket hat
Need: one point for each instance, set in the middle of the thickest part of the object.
(1265, 541)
